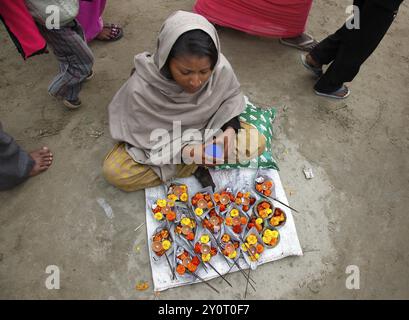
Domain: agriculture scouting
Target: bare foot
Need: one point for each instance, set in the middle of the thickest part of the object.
(110, 32)
(43, 159)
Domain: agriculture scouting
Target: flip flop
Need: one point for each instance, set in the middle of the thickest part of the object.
(116, 32)
(334, 93)
(315, 70)
(306, 45)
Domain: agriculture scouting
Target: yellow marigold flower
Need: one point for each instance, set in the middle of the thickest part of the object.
(183, 197)
(206, 257)
(252, 239)
(185, 221)
(161, 203)
(234, 213)
(268, 233)
(166, 244)
(266, 240)
(171, 204)
(269, 211)
(172, 197)
(257, 256)
(244, 246)
(204, 238)
(233, 254)
(199, 211)
(247, 195)
(158, 216)
(274, 234)
(259, 221)
(282, 218)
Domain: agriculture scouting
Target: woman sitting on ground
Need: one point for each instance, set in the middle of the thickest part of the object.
(186, 85)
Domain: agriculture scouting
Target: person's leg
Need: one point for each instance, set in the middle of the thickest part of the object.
(356, 47)
(75, 58)
(326, 51)
(90, 17)
(16, 165)
(123, 172)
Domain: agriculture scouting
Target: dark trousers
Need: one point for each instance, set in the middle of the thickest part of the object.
(348, 49)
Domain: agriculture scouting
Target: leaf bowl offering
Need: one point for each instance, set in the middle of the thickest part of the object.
(186, 263)
(264, 186)
(263, 209)
(164, 210)
(213, 222)
(245, 200)
(236, 220)
(278, 219)
(270, 237)
(202, 202)
(186, 228)
(161, 241)
(256, 222)
(205, 246)
(178, 192)
(223, 199)
(252, 248)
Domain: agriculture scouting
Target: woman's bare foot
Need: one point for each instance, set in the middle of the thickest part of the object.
(110, 32)
(43, 159)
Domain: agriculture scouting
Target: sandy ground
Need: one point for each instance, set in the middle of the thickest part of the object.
(354, 212)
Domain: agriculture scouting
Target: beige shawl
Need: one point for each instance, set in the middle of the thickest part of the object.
(148, 101)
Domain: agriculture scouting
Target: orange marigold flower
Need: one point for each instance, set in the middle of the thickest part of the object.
(180, 269)
(259, 248)
(191, 267)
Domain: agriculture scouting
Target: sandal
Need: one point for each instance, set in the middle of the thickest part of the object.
(306, 45)
(335, 94)
(115, 33)
(316, 70)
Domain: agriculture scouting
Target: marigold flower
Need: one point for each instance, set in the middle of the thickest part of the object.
(166, 244)
(259, 221)
(206, 257)
(229, 221)
(185, 221)
(245, 246)
(191, 267)
(259, 248)
(234, 213)
(161, 203)
(172, 197)
(226, 238)
(183, 197)
(274, 234)
(158, 216)
(199, 211)
(190, 236)
(171, 216)
(204, 238)
(233, 254)
(180, 269)
(252, 239)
